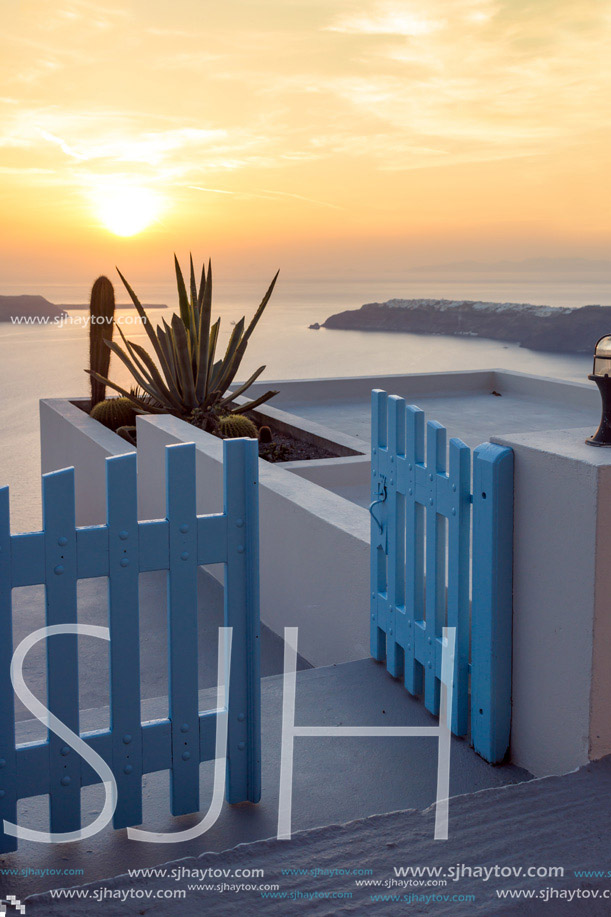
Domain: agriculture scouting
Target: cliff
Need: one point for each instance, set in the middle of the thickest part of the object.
(28, 307)
(536, 327)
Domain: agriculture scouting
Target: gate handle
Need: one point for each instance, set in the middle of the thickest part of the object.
(375, 503)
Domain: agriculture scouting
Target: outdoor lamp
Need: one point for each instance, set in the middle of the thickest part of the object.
(601, 374)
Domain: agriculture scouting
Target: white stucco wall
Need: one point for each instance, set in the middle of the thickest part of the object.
(314, 544)
(562, 601)
(70, 438)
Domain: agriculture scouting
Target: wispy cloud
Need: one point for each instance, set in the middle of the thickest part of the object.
(320, 99)
(268, 194)
(387, 19)
(412, 19)
(477, 79)
(82, 13)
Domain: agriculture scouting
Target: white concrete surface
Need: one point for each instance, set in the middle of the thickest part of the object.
(314, 544)
(499, 835)
(69, 437)
(335, 780)
(462, 401)
(562, 600)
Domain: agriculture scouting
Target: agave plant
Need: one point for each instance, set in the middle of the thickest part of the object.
(186, 379)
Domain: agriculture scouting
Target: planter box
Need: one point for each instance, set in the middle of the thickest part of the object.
(69, 437)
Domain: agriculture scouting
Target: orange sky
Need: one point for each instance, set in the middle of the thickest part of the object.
(324, 136)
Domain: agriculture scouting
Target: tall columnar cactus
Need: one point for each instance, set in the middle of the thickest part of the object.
(114, 413)
(233, 426)
(101, 314)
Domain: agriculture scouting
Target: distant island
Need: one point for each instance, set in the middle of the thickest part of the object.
(28, 307)
(119, 305)
(560, 330)
(29, 310)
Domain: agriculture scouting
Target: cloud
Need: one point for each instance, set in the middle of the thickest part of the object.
(411, 19)
(106, 135)
(84, 14)
(184, 60)
(394, 85)
(394, 21)
(475, 79)
(268, 194)
(81, 145)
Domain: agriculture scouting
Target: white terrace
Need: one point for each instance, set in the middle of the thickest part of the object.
(314, 548)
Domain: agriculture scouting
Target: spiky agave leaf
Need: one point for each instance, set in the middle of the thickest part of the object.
(243, 387)
(183, 300)
(255, 319)
(186, 376)
(148, 368)
(254, 404)
(205, 312)
(143, 406)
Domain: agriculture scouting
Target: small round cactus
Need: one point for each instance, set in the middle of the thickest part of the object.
(234, 425)
(265, 435)
(128, 434)
(114, 413)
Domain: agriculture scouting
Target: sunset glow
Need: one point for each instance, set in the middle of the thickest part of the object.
(328, 137)
(125, 209)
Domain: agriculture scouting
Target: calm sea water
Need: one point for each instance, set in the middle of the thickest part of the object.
(48, 361)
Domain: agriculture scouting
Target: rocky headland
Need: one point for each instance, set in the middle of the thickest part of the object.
(29, 309)
(555, 329)
(14, 308)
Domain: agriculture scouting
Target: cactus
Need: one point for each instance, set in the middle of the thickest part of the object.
(186, 375)
(235, 425)
(101, 313)
(128, 433)
(265, 435)
(114, 413)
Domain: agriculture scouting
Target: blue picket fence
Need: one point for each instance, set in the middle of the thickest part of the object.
(61, 555)
(441, 555)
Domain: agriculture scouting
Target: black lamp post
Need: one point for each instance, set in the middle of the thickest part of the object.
(601, 374)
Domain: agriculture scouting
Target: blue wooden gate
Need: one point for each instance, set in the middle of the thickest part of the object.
(61, 555)
(441, 555)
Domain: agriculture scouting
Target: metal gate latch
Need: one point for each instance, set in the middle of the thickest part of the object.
(382, 495)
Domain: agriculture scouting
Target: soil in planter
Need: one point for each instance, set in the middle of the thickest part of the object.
(288, 448)
(284, 448)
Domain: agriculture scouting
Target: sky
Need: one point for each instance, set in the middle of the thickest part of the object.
(330, 138)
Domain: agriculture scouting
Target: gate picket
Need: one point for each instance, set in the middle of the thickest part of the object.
(8, 775)
(122, 549)
(62, 649)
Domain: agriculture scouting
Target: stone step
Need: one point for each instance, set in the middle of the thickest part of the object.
(495, 836)
(336, 780)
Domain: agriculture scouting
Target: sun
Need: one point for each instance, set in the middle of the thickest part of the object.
(126, 209)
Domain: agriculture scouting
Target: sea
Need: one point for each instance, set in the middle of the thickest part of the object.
(49, 361)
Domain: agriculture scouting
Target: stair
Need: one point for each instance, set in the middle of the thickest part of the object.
(335, 780)
(553, 821)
